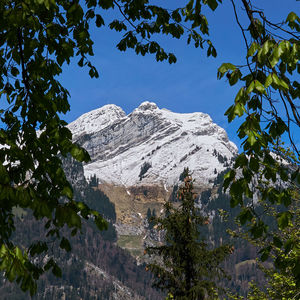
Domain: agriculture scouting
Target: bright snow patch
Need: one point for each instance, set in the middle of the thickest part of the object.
(120, 145)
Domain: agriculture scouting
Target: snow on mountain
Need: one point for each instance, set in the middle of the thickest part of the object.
(158, 142)
(95, 120)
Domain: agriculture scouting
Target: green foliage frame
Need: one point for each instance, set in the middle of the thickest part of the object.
(37, 37)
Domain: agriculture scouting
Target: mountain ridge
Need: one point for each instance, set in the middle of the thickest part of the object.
(158, 140)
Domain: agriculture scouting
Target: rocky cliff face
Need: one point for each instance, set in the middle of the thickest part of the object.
(151, 145)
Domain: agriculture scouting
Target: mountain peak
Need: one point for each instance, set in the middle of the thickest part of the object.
(96, 120)
(146, 105)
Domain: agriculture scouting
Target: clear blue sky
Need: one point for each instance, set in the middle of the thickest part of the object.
(189, 85)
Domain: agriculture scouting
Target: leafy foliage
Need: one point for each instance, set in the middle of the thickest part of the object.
(272, 62)
(281, 279)
(189, 266)
(37, 38)
(279, 246)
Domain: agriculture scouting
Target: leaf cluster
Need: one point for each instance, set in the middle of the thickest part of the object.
(36, 39)
(266, 104)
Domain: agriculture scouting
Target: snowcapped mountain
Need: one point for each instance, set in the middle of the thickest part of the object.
(96, 120)
(151, 145)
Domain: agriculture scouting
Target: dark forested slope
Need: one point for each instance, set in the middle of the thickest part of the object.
(96, 268)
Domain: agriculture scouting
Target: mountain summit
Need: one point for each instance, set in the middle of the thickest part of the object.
(151, 145)
(96, 120)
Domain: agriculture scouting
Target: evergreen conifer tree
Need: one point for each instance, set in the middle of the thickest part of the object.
(184, 265)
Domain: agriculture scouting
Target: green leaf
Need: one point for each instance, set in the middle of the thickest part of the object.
(278, 83)
(265, 253)
(251, 87)
(278, 52)
(234, 77)
(283, 84)
(266, 47)
(241, 161)
(251, 138)
(225, 67)
(3, 251)
(213, 4)
(277, 242)
(38, 248)
(229, 113)
(50, 263)
(56, 270)
(101, 223)
(19, 253)
(117, 25)
(80, 62)
(65, 244)
(254, 164)
(74, 232)
(253, 48)
(259, 87)
(283, 174)
(245, 215)
(268, 81)
(73, 220)
(283, 219)
(229, 176)
(79, 153)
(296, 270)
(239, 109)
(258, 229)
(264, 50)
(234, 202)
(67, 191)
(292, 17)
(236, 191)
(4, 176)
(11, 273)
(240, 96)
(172, 58)
(176, 16)
(288, 246)
(99, 21)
